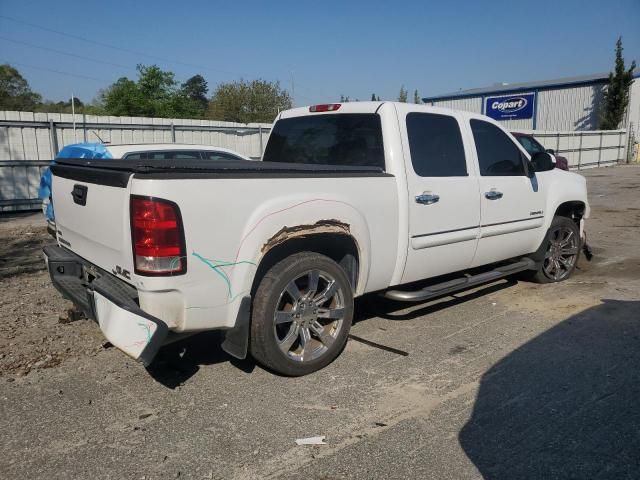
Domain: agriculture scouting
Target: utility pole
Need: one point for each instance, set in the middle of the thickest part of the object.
(73, 112)
(293, 90)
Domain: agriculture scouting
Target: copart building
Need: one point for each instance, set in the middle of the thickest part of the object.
(565, 104)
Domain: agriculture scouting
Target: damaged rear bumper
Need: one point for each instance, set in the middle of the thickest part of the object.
(109, 301)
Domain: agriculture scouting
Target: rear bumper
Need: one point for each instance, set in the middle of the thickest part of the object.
(109, 301)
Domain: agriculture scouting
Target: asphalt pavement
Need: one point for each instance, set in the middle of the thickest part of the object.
(512, 380)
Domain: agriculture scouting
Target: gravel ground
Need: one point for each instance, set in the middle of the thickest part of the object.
(511, 380)
(31, 333)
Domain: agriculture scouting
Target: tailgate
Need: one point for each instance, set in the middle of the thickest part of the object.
(91, 208)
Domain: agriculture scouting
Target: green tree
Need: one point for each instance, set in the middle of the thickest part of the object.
(124, 98)
(416, 97)
(61, 107)
(245, 102)
(196, 89)
(154, 94)
(15, 92)
(403, 95)
(616, 95)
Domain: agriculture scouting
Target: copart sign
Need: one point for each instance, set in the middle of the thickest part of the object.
(510, 107)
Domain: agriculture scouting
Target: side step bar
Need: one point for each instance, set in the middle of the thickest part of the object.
(451, 286)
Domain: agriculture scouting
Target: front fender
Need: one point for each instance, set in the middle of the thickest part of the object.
(563, 187)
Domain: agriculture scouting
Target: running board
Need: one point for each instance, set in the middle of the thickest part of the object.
(451, 286)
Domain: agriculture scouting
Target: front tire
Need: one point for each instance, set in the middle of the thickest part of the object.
(561, 252)
(302, 313)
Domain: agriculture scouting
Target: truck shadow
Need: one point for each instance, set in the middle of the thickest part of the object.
(565, 404)
(374, 305)
(178, 362)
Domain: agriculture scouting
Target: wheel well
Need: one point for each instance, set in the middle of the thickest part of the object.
(573, 210)
(341, 248)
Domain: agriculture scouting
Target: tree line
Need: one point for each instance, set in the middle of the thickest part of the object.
(403, 97)
(157, 93)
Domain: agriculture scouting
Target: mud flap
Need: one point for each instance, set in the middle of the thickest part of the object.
(236, 340)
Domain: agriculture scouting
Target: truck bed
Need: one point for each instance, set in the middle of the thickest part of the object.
(188, 168)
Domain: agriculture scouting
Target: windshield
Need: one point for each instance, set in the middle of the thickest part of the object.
(339, 139)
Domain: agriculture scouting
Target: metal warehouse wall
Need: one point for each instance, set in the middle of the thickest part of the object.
(562, 109)
(467, 104)
(573, 108)
(633, 112)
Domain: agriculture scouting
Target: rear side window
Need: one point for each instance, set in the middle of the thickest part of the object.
(497, 154)
(436, 145)
(351, 139)
(173, 154)
(133, 156)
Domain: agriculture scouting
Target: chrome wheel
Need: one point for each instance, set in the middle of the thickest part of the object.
(562, 253)
(309, 316)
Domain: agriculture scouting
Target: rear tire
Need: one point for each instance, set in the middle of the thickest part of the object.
(561, 252)
(302, 313)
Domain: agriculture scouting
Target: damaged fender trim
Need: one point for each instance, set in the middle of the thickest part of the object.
(301, 231)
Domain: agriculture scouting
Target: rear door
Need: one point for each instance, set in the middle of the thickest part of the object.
(444, 212)
(511, 203)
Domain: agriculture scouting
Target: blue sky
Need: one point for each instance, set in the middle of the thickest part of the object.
(328, 48)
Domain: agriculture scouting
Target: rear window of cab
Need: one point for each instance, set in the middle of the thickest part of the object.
(348, 139)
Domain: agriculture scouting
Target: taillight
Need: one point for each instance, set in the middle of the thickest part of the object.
(325, 107)
(157, 236)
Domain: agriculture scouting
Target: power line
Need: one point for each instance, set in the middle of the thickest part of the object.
(60, 52)
(101, 80)
(126, 50)
(114, 47)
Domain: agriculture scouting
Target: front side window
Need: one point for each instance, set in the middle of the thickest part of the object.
(436, 145)
(497, 154)
(529, 144)
(347, 139)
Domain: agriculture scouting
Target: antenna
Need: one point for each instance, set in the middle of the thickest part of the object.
(96, 134)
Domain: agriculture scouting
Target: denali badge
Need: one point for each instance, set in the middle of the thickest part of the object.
(538, 212)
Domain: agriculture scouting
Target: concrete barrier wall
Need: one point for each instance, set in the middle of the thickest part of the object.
(29, 141)
(586, 149)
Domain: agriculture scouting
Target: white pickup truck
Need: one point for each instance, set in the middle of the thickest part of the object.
(349, 198)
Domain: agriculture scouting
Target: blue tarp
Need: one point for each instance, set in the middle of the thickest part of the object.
(78, 150)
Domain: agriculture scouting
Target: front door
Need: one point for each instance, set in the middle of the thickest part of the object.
(511, 203)
(444, 212)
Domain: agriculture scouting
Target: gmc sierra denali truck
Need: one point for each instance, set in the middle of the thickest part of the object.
(349, 199)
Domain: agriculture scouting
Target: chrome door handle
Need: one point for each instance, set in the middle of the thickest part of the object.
(493, 195)
(427, 198)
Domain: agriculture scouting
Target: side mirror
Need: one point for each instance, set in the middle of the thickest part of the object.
(551, 151)
(542, 162)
